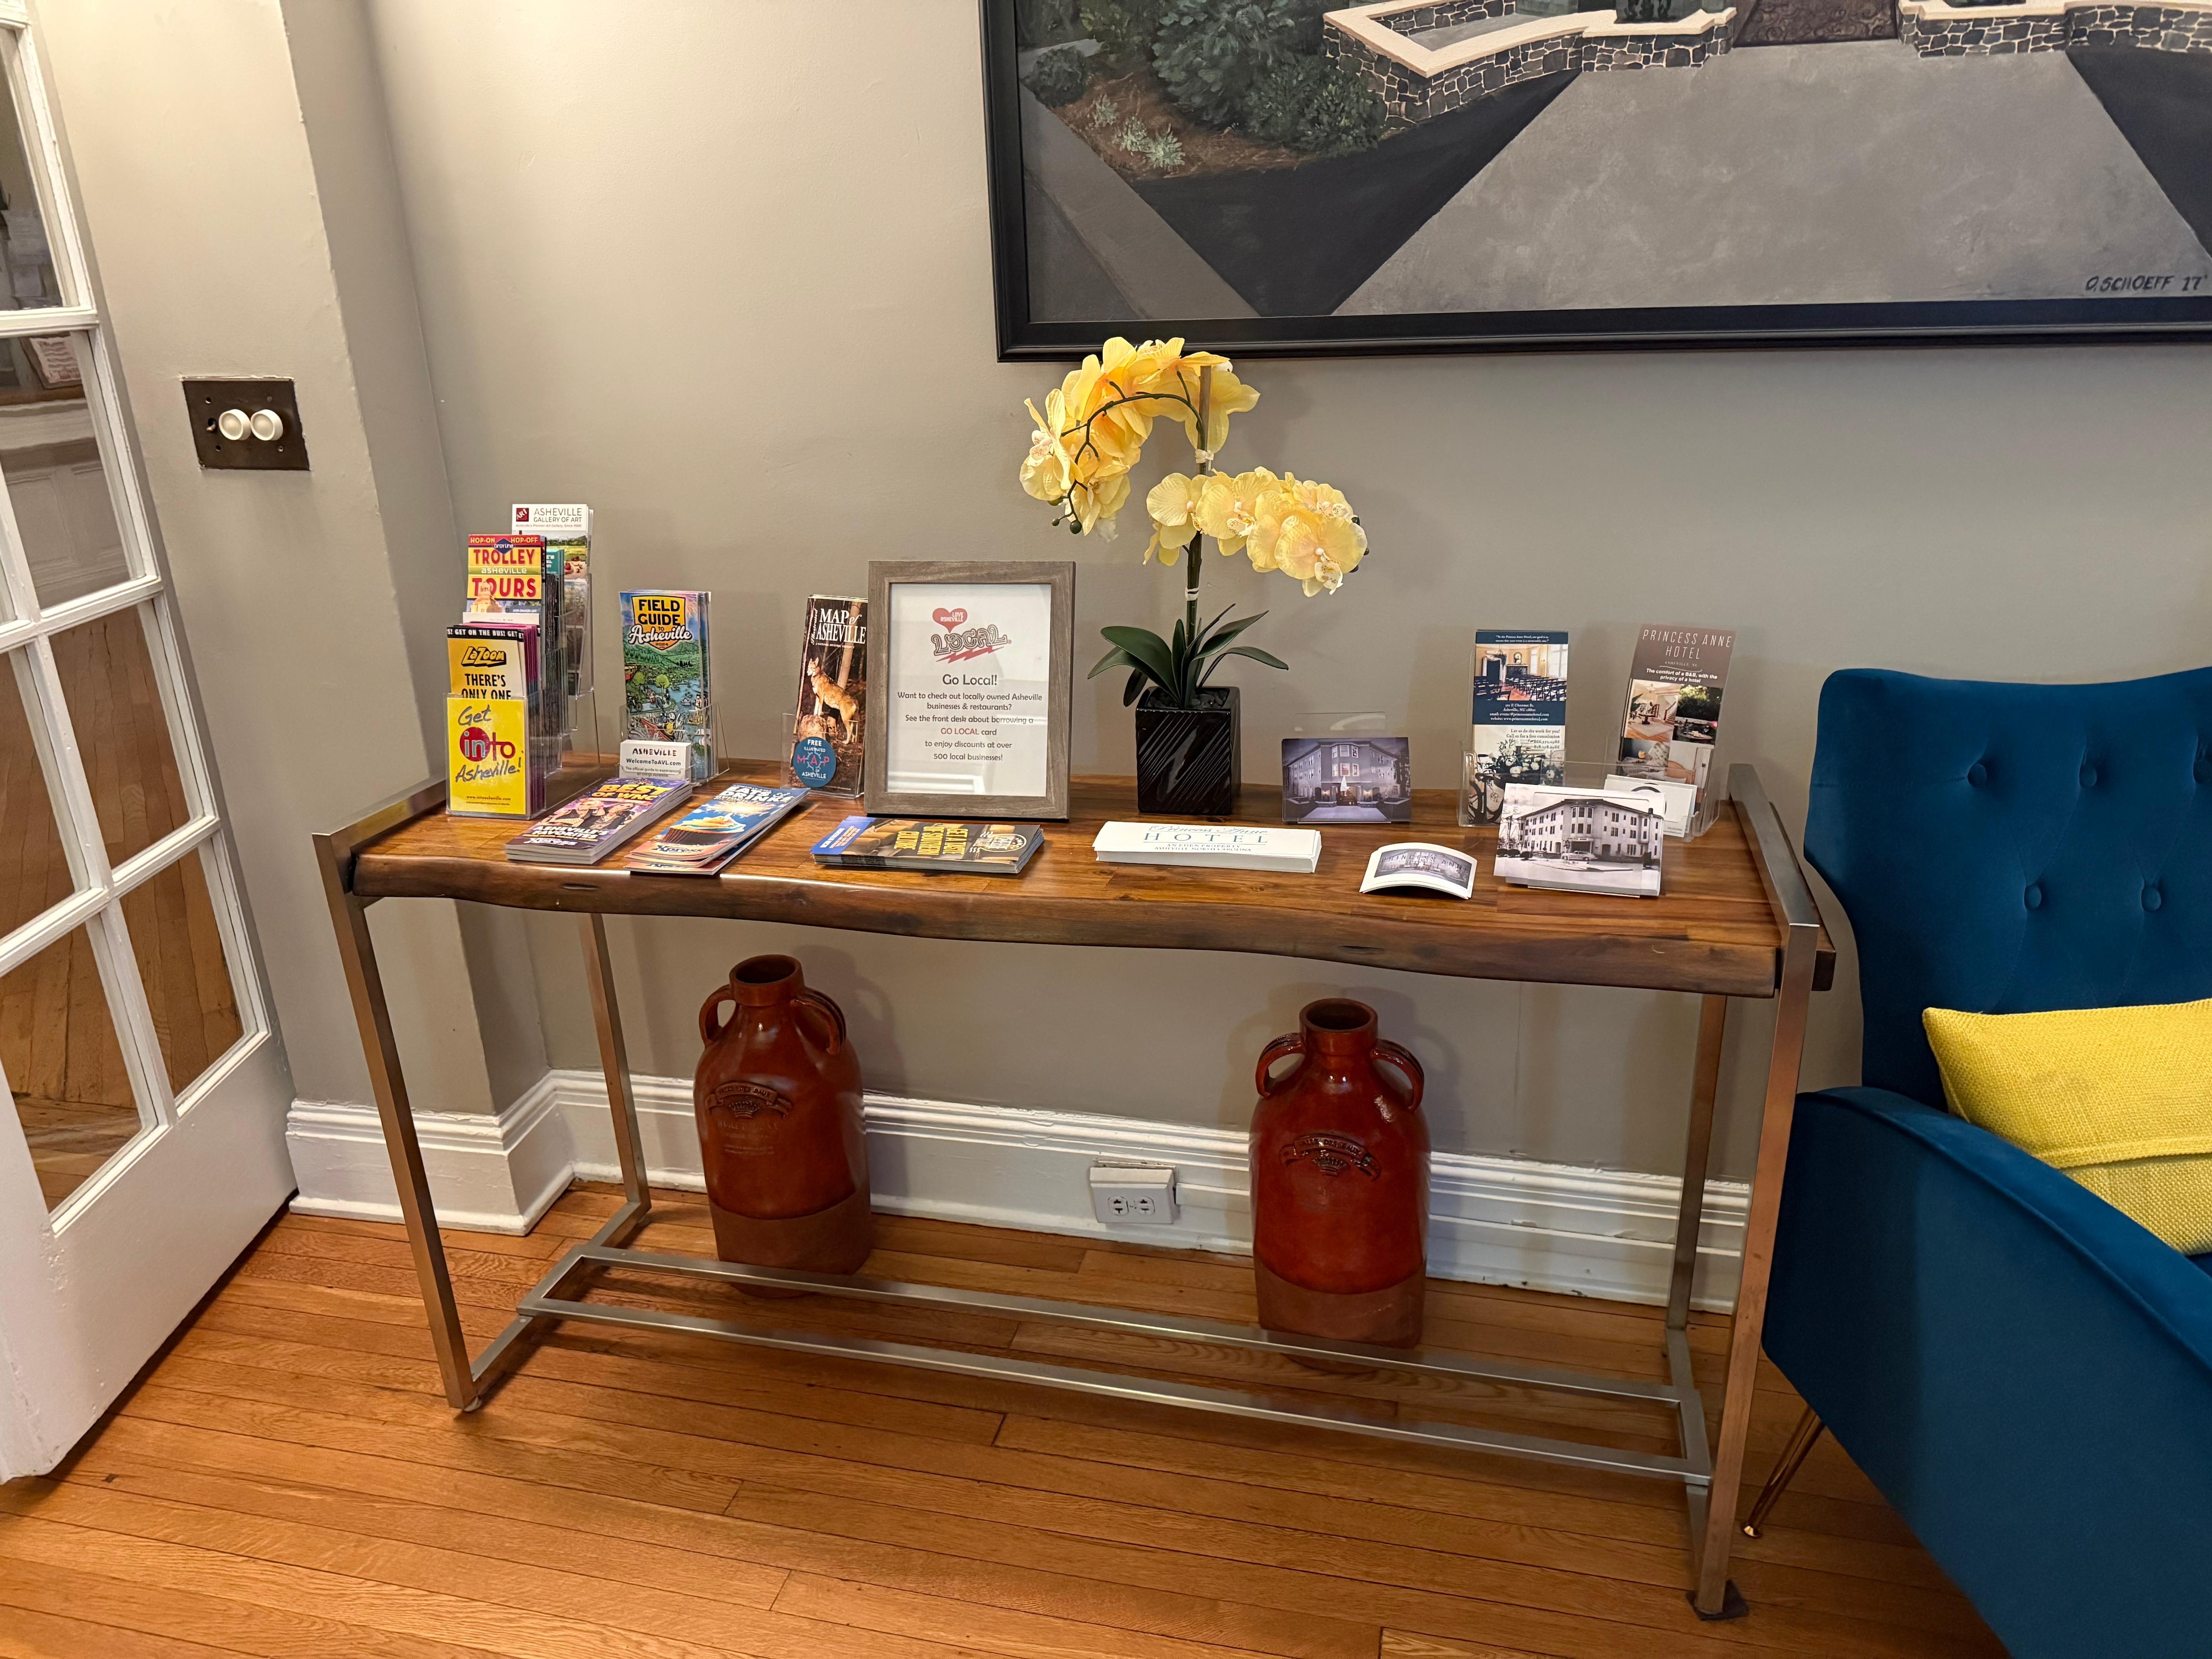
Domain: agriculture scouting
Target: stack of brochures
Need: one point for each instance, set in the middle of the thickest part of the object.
(938, 845)
(598, 822)
(1210, 846)
(715, 831)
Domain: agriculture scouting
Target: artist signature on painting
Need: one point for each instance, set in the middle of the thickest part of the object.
(2144, 282)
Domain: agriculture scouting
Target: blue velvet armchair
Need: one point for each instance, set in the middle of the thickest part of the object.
(2024, 1372)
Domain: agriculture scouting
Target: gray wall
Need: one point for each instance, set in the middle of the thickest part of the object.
(724, 274)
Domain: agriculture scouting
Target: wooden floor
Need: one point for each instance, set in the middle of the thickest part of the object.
(288, 1481)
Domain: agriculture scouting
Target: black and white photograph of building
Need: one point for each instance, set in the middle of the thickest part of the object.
(1589, 842)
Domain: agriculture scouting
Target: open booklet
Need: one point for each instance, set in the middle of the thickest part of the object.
(1423, 864)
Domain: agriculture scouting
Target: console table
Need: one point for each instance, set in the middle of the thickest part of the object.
(1737, 919)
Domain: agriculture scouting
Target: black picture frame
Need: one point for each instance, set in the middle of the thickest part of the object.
(1021, 338)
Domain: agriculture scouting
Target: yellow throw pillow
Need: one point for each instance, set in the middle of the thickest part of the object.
(2120, 1098)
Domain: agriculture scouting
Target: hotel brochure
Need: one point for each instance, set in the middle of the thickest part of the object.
(1210, 846)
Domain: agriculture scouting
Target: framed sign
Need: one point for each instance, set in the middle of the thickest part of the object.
(971, 670)
(1419, 175)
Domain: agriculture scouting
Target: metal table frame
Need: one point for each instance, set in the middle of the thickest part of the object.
(1710, 1480)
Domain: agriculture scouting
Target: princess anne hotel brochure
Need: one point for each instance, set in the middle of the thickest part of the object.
(1210, 846)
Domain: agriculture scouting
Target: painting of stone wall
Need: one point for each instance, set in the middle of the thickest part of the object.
(1283, 175)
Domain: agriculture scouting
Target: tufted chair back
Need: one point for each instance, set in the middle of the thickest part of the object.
(2012, 848)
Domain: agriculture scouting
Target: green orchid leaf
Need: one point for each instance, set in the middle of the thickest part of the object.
(1252, 650)
(1134, 688)
(1231, 632)
(1117, 657)
(1147, 650)
(1206, 633)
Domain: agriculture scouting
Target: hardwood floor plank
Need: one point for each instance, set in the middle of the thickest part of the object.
(321, 1458)
(1615, 1618)
(25, 1635)
(185, 1618)
(530, 1613)
(990, 1629)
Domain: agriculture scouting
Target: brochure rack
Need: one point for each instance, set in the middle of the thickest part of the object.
(1737, 919)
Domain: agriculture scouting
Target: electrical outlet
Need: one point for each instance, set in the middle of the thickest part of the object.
(1132, 1195)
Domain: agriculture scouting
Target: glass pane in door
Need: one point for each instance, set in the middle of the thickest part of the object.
(122, 731)
(181, 962)
(57, 480)
(35, 871)
(27, 262)
(64, 1067)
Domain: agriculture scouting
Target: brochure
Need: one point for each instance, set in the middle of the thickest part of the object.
(585, 829)
(827, 734)
(1674, 716)
(929, 844)
(1520, 714)
(715, 831)
(668, 681)
(1677, 802)
(489, 769)
(1210, 846)
(1580, 841)
(566, 528)
(1421, 864)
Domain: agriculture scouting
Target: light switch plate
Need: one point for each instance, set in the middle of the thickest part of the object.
(206, 400)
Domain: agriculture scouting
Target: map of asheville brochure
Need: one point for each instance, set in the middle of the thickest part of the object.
(585, 829)
(1210, 846)
(715, 831)
(1421, 864)
(941, 847)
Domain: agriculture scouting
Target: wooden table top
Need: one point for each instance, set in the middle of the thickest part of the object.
(1713, 931)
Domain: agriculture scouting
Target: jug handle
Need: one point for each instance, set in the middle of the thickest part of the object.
(830, 1010)
(710, 1026)
(1402, 1058)
(1281, 1048)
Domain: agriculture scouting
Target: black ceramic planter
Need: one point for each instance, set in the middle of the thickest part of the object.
(1187, 759)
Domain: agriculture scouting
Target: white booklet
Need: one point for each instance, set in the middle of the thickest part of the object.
(1210, 846)
(1580, 841)
(1421, 864)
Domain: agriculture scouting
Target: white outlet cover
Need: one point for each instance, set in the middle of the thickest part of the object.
(1132, 1195)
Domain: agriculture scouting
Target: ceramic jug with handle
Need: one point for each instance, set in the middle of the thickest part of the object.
(1341, 1182)
(778, 1098)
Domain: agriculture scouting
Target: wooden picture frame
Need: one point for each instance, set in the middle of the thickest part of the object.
(937, 651)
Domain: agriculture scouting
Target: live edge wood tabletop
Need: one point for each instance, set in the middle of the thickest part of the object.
(1714, 929)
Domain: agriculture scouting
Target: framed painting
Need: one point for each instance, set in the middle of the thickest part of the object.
(1280, 176)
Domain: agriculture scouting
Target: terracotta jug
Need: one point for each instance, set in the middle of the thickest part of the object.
(778, 1098)
(1340, 1183)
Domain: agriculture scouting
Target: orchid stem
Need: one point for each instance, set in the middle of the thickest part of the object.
(1198, 543)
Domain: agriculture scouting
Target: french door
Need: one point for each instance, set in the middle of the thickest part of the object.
(143, 1144)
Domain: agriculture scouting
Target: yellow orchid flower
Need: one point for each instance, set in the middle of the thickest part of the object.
(1173, 505)
(1229, 506)
(1230, 395)
(1046, 472)
(1306, 531)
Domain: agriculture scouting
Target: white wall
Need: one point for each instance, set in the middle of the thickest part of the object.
(726, 275)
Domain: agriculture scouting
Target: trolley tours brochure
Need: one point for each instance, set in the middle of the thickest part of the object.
(1421, 864)
(1210, 846)
(715, 831)
(585, 829)
(940, 846)
(1580, 841)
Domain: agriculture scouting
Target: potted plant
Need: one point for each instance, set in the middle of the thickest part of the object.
(1086, 440)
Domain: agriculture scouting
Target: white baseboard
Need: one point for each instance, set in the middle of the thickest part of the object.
(1491, 1220)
